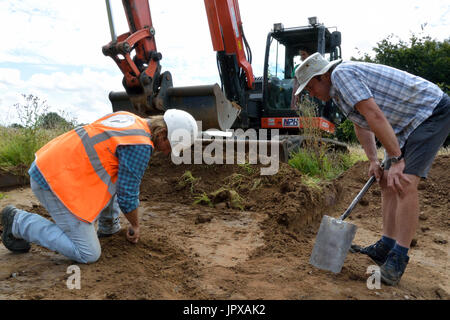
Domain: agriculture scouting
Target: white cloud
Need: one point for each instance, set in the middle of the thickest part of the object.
(83, 94)
(10, 77)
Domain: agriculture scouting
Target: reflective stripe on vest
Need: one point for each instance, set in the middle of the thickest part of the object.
(89, 143)
(81, 170)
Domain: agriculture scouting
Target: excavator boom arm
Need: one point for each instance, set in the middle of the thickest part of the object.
(142, 71)
(148, 92)
(228, 41)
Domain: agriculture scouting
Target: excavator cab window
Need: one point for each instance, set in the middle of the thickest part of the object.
(280, 80)
(283, 54)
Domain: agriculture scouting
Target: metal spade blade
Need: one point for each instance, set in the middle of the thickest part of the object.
(332, 244)
(335, 237)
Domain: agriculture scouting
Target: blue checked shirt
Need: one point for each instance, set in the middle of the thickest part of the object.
(406, 100)
(133, 161)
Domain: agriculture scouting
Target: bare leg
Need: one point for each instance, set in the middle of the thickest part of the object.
(407, 215)
(389, 201)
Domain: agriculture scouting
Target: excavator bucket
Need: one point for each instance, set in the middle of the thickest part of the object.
(206, 103)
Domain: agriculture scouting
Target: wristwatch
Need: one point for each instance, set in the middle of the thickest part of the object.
(396, 159)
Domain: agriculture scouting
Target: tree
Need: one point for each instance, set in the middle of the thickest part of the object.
(421, 56)
(53, 120)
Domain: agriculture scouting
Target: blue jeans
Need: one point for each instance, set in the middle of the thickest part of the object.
(73, 238)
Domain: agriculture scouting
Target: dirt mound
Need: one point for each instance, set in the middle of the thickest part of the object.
(283, 196)
(226, 232)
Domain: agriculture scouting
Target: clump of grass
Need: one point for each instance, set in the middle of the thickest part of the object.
(325, 166)
(311, 158)
(235, 180)
(310, 163)
(256, 184)
(247, 167)
(187, 179)
(315, 159)
(228, 195)
(231, 197)
(2, 196)
(203, 199)
(312, 182)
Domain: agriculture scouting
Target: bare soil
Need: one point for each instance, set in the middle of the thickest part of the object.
(251, 240)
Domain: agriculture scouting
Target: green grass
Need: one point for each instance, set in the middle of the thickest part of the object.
(188, 179)
(203, 199)
(18, 145)
(312, 182)
(319, 166)
(325, 165)
(314, 159)
(247, 167)
(20, 141)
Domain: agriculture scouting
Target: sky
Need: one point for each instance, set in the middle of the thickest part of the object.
(52, 48)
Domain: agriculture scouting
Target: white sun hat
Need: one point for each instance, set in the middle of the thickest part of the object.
(313, 66)
(182, 130)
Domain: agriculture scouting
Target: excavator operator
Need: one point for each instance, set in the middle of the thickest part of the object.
(304, 53)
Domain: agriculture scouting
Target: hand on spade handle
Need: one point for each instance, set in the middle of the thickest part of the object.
(361, 194)
(376, 170)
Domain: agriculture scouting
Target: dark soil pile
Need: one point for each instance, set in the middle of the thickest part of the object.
(282, 196)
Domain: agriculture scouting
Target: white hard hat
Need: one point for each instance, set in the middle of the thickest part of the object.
(182, 130)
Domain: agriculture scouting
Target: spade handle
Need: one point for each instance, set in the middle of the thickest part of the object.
(360, 195)
(358, 198)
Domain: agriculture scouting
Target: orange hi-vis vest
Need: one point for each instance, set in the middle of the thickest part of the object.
(81, 167)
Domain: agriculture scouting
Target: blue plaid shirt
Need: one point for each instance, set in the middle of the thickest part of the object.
(133, 161)
(406, 100)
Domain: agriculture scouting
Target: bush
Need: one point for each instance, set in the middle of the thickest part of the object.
(53, 120)
(346, 132)
(315, 158)
(325, 166)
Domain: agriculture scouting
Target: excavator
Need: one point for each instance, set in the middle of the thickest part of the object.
(242, 100)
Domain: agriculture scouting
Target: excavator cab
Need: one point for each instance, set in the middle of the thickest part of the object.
(280, 106)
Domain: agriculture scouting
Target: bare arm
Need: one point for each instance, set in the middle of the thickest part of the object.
(379, 126)
(383, 131)
(367, 139)
(133, 219)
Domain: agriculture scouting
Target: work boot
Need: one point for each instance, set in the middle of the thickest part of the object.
(378, 252)
(12, 243)
(393, 269)
(105, 235)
